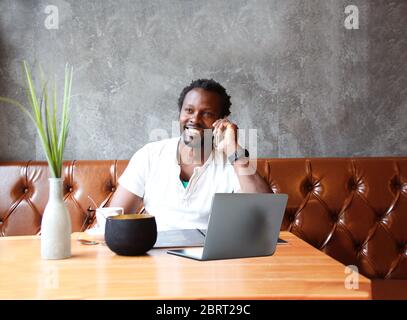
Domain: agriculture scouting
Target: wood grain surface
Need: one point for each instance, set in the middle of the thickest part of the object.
(295, 271)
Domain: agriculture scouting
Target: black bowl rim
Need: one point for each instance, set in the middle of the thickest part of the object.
(131, 216)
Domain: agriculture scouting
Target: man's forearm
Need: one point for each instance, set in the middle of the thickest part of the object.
(125, 199)
(250, 181)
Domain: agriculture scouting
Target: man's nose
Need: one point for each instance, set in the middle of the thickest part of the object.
(195, 117)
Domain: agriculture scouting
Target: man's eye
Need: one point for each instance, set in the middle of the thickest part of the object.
(208, 114)
(188, 110)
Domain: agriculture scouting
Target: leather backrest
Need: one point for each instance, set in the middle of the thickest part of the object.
(354, 209)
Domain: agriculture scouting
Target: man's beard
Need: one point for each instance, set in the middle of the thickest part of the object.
(194, 138)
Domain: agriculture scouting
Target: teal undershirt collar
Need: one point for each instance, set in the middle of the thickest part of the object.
(185, 183)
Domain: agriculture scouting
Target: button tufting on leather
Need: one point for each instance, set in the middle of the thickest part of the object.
(352, 184)
(358, 247)
(396, 185)
(345, 193)
(308, 186)
(356, 185)
(379, 217)
(361, 187)
(334, 216)
(402, 247)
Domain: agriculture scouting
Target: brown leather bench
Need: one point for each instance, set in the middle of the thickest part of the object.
(353, 209)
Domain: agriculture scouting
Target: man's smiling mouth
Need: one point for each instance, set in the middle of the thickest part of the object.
(193, 130)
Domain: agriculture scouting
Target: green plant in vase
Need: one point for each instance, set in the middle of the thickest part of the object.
(53, 132)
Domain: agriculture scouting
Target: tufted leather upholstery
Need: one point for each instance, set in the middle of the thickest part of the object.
(24, 192)
(353, 209)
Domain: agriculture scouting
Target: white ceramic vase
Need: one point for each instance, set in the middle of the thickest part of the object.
(56, 225)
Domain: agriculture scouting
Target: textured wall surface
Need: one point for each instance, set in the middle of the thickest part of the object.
(295, 73)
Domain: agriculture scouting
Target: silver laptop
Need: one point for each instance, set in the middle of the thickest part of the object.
(240, 225)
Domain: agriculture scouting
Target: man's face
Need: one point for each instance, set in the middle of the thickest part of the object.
(200, 109)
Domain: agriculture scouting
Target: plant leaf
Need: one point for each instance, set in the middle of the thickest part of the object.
(44, 116)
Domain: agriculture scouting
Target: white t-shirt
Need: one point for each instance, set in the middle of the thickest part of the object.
(153, 174)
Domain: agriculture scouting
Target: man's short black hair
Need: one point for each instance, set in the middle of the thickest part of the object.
(209, 85)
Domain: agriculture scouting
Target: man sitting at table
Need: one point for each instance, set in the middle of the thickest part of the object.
(176, 178)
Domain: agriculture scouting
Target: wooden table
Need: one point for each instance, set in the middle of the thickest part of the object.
(295, 271)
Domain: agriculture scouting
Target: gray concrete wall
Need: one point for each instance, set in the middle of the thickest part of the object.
(310, 86)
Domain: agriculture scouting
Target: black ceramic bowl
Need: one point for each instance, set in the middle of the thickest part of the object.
(130, 234)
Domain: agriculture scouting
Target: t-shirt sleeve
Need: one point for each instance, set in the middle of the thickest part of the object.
(135, 175)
